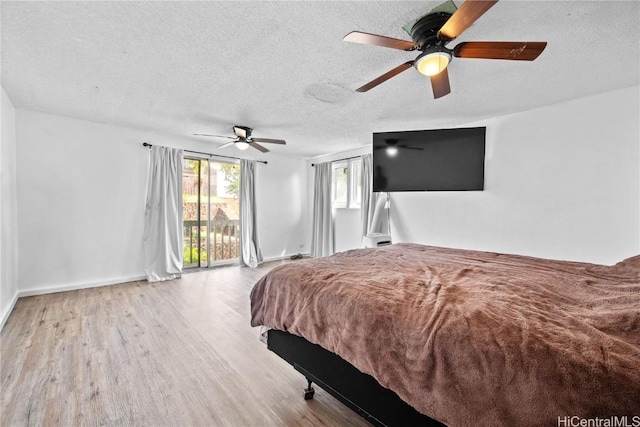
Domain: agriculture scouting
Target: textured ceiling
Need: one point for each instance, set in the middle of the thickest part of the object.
(283, 69)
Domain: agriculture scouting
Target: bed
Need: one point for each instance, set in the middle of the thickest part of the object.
(465, 337)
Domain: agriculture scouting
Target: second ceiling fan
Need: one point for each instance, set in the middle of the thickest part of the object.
(433, 32)
(243, 139)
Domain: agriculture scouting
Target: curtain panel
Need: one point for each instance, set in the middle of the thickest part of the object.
(367, 184)
(322, 230)
(250, 253)
(162, 244)
(374, 206)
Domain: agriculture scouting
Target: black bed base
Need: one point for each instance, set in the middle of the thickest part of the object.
(359, 391)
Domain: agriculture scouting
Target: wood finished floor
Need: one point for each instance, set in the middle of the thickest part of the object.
(176, 353)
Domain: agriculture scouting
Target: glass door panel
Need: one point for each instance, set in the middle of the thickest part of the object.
(224, 229)
(210, 212)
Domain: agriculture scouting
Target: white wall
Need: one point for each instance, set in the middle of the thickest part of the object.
(282, 207)
(560, 182)
(81, 189)
(347, 224)
(8, 209)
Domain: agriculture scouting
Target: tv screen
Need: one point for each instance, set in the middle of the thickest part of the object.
(429, 160)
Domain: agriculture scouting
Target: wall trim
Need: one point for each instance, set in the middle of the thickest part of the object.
(8, 311)
(280, 258)
(77, 286)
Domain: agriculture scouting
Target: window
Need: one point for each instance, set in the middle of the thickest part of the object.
(339, 181)
(346, 183)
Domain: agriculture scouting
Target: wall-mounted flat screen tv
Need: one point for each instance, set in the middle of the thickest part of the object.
(429, 160)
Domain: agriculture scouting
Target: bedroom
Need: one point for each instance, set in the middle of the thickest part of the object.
(85, 84)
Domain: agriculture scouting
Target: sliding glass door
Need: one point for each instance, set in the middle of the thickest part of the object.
(211, 212)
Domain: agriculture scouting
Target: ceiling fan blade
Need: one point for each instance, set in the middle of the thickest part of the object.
(376, 40)
(519, 51)
(269, 140)
(440, 84)
(386, 76)
(464, 17)
(216, 136)
(258, 147)
(226, 145)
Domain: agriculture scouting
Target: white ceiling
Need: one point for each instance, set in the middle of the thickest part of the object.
(283, 69)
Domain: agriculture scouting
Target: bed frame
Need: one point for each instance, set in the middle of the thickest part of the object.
(359, 391)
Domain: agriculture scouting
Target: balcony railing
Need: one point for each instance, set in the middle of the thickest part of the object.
(223, 243)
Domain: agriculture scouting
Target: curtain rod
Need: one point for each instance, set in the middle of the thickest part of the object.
(340, 160)
(146, 144)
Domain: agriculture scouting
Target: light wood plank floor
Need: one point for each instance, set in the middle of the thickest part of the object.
(176, 353)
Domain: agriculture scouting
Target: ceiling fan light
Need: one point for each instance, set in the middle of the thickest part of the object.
(432, 63)
(241, 145)
(392, 151)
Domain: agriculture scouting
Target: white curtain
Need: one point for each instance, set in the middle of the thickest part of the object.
(322, 232)
(367, 185)
(250, 253)
(374, 206)
(162, 244)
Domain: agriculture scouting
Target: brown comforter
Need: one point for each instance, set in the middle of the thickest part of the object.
(471, 338)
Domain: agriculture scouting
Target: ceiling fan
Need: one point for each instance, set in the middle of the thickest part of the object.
(244, 140)
(432, 32)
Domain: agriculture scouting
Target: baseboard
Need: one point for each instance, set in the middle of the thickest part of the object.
(280, 258)
(8, 311)
(76, 286)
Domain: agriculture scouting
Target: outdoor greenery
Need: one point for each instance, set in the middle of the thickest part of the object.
(191, 257)
(232, 176)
